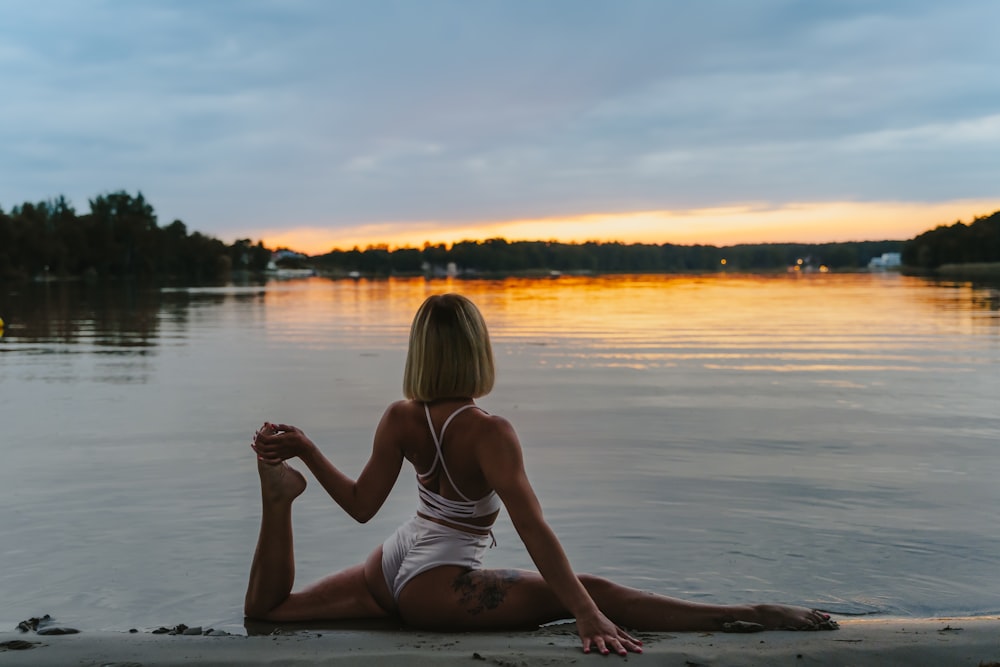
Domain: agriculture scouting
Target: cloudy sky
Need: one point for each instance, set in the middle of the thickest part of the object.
(321, 123)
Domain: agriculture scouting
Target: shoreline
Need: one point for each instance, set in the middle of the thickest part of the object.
(859, 642)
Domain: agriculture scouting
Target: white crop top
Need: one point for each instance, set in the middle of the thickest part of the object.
(434, 505)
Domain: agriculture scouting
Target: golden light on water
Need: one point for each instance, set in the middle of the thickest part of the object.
(812, 324)
(818, 222)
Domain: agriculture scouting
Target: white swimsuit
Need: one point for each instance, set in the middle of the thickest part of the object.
(420, 544)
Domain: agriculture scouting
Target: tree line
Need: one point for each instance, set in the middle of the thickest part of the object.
(975, 243)
(499, 256)
(120, 237)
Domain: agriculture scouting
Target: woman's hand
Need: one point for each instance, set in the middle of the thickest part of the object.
(598, 631)
(275, 443)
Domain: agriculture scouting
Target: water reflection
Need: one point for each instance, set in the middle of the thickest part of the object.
(113, 318)
(730, 422)
(725, 322)
(812, 324)
(108, 316)
(973, 306)
(113, 328)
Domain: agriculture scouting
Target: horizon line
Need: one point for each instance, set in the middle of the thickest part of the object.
(452, 244)
(723, 226)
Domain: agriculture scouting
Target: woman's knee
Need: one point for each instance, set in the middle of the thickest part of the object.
(256, 612)
(593, 583)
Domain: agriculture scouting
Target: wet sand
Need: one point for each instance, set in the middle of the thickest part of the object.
(952, 642)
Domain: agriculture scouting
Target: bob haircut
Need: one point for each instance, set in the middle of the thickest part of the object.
(449, 355)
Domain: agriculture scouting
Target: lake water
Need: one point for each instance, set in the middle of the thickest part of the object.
(831, 440)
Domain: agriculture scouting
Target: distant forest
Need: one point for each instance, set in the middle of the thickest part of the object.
(501, 257)
(120, 238)
(975, 243)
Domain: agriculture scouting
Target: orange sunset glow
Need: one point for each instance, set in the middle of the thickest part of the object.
(722, 226)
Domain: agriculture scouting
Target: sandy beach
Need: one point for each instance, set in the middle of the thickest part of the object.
(912, 642)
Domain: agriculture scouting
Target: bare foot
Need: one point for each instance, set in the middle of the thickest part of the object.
(280, 483)
(786, 617)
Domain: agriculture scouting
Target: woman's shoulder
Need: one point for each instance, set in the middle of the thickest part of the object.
(489, 426)
(401, 404)
(480, 423)
(404, 409)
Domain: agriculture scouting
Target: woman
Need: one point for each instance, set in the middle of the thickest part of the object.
(468, 462)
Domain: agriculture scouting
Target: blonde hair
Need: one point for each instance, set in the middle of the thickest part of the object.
(449, 355)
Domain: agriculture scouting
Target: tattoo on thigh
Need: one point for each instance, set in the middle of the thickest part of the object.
(481, 590)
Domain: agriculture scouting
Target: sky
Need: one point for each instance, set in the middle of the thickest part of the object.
(316, 124)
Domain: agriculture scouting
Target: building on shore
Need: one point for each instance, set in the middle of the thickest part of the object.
(888, 260)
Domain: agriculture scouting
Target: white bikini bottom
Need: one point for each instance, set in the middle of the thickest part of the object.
(419, 545)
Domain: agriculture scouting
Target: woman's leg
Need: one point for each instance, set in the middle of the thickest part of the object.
(451, 598)
(342, 595)
(642, 610)
(273, 569)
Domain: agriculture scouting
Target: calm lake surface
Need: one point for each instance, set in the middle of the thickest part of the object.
(831, 440)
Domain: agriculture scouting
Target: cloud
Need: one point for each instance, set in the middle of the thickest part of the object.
(237, 115)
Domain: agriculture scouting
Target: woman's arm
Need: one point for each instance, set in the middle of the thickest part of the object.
(360, 498)
(503, 466)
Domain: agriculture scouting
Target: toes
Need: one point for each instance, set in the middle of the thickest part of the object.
(823, 621)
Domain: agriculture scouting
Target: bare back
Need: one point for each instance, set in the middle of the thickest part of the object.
(459, 459)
